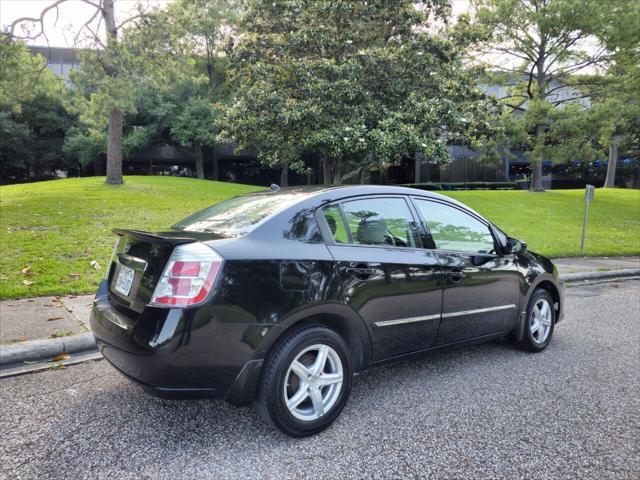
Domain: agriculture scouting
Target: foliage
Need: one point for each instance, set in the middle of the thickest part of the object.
(615, 114)
(357, 83)
(146, 55)
(33, 121)
(540, 48)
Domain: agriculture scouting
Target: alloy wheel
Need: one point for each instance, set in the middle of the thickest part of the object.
(313, 382)
(540, 321)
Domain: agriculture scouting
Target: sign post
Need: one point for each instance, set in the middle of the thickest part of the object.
(589, 195)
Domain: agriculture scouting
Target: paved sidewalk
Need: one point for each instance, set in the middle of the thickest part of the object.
(595, 264)
(43, 317)
(51, 317)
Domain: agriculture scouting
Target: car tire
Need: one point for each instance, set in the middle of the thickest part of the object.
(539, 322)
(306, 381)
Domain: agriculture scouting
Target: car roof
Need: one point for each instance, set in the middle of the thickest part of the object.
(339, 192)
(350, 190)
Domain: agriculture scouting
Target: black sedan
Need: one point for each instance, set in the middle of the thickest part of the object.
(283, 296)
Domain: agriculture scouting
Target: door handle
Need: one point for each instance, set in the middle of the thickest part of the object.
(361, 271)
(456, 275)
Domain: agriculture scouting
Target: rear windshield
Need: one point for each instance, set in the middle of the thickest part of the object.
(237, 216)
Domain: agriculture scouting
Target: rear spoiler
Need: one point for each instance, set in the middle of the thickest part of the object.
(170, 238)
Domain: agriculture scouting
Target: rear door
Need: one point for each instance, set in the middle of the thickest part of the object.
(388, 278)
(481, 289)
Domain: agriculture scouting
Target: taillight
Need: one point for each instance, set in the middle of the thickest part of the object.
(188, 276)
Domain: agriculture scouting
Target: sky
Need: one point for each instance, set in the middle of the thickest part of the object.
(72, 14)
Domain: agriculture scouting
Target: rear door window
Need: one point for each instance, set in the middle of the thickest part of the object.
(381, 221)
(334, 219)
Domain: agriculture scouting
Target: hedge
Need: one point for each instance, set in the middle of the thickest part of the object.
(463, 186)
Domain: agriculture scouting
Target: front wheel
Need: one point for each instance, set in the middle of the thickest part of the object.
(306, 381)
(540, 322)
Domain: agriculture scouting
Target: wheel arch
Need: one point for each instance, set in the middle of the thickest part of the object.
(549, 283)
(338, 317)
(554, 291)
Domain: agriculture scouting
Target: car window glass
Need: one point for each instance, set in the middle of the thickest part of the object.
(381, 221)
(336, 224)
(453, 229)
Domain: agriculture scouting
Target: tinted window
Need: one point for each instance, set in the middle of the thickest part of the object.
(453, 229)
(381, 221)
(336, 224)
(236, 216)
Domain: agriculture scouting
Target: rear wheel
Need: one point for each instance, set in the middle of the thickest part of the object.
(539, 322)
(306, 381)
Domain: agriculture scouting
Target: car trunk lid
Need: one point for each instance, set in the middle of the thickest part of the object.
(138, 261)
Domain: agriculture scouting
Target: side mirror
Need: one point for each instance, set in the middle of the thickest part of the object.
(516, 246)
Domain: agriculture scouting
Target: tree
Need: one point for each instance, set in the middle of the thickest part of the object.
(183, 113)
(33, 122)
(110, 69)
(538, 47)
(616, 108)
(205, 25)
(357, 84)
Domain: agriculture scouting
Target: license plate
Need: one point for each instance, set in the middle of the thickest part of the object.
(124, 280)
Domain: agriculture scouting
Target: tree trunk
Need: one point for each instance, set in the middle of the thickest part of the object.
(418, 158)
(197, 151)
(536, 174)
(326, 170)
(536, 166)
(114, 143)
(610, 181)
(215, 164)
(284, 176)
(536, 177)
(114, 148)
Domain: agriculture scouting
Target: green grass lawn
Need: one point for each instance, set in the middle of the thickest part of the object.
(551, 222)
(57, 228)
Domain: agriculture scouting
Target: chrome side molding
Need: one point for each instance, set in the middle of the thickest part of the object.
(478, 310)
(401, 321)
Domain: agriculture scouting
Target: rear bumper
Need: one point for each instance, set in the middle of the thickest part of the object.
(177, 353)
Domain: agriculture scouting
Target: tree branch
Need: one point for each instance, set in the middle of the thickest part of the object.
(86, 25)
(39, 20)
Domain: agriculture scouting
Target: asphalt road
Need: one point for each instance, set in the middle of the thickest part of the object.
(483, 412)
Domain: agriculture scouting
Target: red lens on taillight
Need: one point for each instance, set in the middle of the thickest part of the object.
(185, 269)
(188, 276)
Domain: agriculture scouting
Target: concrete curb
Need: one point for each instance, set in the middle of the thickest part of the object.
(579, 277)
(42, 349)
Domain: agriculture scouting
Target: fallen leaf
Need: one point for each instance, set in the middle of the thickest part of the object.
(31, 300)
(51, 319)
(27, 282)
(75, 276)
(60, 357)
(94, 264)
(26, 271)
